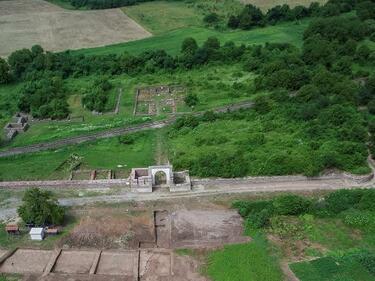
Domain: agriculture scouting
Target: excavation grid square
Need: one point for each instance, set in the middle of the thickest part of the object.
(118, 263)
(75, 262)
(27, 261)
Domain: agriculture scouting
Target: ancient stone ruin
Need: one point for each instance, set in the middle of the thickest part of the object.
(17, 125)
(151, 178)
(158, 99)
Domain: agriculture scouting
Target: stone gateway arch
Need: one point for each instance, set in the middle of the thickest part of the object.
(145, 179)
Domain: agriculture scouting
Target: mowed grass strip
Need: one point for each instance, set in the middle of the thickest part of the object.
(103, 154)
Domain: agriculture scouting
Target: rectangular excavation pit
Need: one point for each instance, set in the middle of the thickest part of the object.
(118, 263)
(206, 228)
(27, 261)
(74, 262)
(162, 229)
(154, 265)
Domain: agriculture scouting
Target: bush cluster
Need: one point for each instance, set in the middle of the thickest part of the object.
(96, 96)
(352, 205)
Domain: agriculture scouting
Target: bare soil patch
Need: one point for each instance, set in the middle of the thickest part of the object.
(24, 23)
(110, 228)
(206, 228)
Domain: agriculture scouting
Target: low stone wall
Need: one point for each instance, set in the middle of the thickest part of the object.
(356, 179)
(66, 184)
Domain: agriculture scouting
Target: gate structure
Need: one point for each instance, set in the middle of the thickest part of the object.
(144, 179)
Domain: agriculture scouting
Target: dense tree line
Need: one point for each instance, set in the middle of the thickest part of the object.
(251, 16)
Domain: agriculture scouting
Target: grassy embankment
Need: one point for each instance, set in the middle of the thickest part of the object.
(103, 154)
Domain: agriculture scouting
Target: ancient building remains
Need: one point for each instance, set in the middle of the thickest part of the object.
(158, 99)
(17, 125)
(146, 179)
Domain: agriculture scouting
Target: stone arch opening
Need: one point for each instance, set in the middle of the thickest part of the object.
(160, 178)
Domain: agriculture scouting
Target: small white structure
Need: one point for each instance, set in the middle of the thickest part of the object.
(37, 233)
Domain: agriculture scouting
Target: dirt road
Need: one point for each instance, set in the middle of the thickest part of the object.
(210, 189)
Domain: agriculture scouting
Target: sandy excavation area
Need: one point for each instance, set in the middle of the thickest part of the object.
(24, 23)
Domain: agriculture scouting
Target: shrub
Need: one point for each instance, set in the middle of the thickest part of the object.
(245, 208)
(367, 201)
(126, 139)
(191, 100)
(211, 19)
(357, 218)
(291, 205)
(342, 200)
(259, 219)
(287, 227)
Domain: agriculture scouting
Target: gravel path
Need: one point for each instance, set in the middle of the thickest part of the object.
(107, 133)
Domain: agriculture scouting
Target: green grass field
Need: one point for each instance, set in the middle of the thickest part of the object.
(161, 16)
(171, 41)
(103, 154)
(331, 269)
(157, 16)
(251, 262)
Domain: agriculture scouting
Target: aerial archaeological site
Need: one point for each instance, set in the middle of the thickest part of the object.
(187, 140)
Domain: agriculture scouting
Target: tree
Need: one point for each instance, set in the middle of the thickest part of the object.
(366, 10)
(251, 16)
(211, 19)
(363, 53)
(191, 100)
(19, 61)
(4, 72)
(233, 22)
(189, 46)
(40, 208)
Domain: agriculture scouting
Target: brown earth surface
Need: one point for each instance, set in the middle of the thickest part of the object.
(24, 23)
